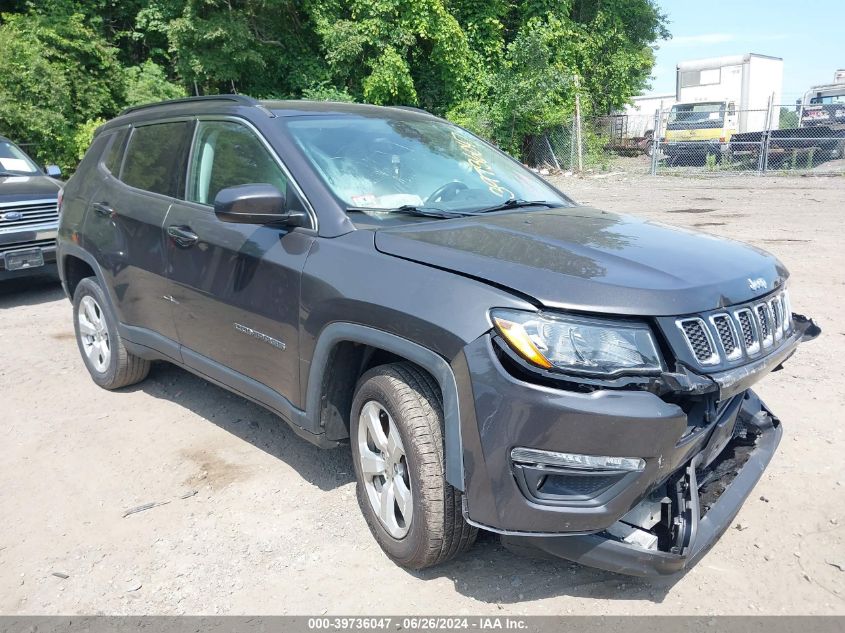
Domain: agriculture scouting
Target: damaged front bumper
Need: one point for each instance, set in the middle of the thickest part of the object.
(732, 381)
(699, 503)
(681, 453)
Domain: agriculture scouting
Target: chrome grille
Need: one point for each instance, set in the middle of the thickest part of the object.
(787, 312)
(744, 318)
(763, 318)
(777, 318)
(699, 341)
(743, 332)
(784, 316)
(18, 246)
(727, 335)
(749, 331)
(17, 214)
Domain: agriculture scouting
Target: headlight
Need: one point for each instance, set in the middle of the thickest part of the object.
(579, 345)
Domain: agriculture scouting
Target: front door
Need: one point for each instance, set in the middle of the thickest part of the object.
(235, 287)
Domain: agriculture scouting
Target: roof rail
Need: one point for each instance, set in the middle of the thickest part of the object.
(411, 109)
(242, 99)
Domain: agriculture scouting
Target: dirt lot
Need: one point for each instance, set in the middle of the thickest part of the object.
(274, 527)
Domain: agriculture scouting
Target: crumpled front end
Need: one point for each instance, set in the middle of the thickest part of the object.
(635, 475)
(681, 519)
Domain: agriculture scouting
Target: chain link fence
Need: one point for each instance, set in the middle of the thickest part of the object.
(599, 144)
(698, 139)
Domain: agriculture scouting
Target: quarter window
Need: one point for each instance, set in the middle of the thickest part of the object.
(156, 156)
(227, 154)
(111, 160)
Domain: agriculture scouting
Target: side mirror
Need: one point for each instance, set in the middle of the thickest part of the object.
(53, 171)
(255, 204)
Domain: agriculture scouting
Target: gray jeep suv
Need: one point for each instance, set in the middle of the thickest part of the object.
(496, 356)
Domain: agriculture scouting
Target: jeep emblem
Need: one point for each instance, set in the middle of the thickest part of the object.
(758, 284)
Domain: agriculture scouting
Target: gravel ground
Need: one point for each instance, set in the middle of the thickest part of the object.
(274, 527)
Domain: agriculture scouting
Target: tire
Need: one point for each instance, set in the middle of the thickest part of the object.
(111, 366)
(649, 143)
(404, 402)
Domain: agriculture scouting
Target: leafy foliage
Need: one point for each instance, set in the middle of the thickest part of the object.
(56, 73)
(504, 69)
(787, 119)
(148, 83)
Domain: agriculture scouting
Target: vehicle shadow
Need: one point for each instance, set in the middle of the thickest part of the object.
(491, 573)
(326, 469)
(29, 291)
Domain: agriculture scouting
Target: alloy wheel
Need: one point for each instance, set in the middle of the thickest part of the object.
(93, 333)
(384, 469)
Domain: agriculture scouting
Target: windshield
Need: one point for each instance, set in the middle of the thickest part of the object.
(828, 100)
(382, 164)
(14, 161)
(697, 114)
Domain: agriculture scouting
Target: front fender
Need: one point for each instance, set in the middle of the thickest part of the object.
(434, 364)
(352, 292)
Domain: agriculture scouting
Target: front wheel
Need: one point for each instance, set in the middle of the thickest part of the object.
(397, 448)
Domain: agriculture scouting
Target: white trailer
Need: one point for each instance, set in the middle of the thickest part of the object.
(744, 83)
(640, 112)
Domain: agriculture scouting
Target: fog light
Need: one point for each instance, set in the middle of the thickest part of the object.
(576, 461)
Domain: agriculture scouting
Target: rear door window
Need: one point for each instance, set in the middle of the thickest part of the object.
(156, 157)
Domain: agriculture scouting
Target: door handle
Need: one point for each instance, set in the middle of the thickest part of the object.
(103, 209)
(183, 236)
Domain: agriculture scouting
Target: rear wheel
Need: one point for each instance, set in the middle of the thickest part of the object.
(110, 364)
(397, 448)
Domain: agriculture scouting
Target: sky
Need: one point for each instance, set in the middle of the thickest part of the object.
(808, 34)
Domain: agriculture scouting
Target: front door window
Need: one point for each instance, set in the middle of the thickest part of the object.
(227, 154)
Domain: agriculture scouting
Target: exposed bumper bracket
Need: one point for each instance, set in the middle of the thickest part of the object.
(695, 534)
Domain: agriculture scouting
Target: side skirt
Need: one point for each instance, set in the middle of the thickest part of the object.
(153, 346)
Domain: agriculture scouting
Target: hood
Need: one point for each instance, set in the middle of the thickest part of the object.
(23, 188)
(585, 259)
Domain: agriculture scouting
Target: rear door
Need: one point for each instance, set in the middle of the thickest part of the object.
(126, 220)
(125, 226)
(236, 286)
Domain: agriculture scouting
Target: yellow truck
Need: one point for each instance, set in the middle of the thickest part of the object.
(696, 130)
(717, 98)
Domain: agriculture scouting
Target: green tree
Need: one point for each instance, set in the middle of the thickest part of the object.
(265, 48)
(505, 69)
(56, 74)
(411, 52)
(787, 119)
(148, 83)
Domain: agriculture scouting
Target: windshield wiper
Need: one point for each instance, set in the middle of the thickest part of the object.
(7, 173)
(516, 203)
(411, 209)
